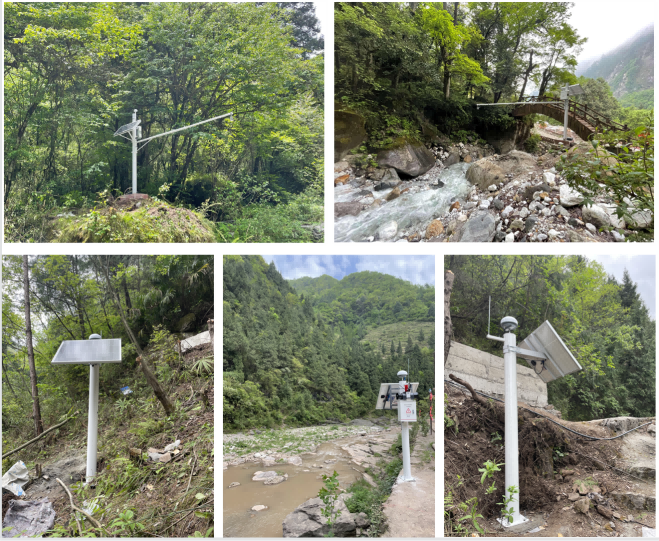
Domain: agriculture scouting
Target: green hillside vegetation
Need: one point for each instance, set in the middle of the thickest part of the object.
(74, 73)
(604, 323)
(150, 303)
(296, 358)
(628, 68)
(421, 332)
(643, 99)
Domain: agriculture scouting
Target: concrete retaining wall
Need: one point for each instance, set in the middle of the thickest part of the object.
(485, 373)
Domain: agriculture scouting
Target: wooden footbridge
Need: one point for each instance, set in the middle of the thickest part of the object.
(582, 120)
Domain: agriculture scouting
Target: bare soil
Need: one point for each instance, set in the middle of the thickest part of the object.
(550, 461)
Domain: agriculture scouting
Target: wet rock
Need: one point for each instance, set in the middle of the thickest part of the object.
(389, 180)
(455, 206)
(434, 229)
(338, 181)
(352, 208)
(295, 460)
(263, 475)
(409, 159)
(570, 197)
(480, 227)
(393, 194)
(274, 480)
(468, 158)
(307, 520)
(452, 159)
(387, 231)
(234, 484)
(259, 507)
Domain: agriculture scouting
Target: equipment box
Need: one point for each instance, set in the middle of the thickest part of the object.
(407, 410)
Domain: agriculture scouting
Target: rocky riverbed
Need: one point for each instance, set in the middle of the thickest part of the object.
(470, 194)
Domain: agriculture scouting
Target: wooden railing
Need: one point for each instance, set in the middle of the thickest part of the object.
(580, 111)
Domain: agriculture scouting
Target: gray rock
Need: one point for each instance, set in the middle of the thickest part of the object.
(259, 508)
(596, 214)
(307, 520)
(452, 159)
(549, 178)
(341, 166)
(590, 227)
(480, 227)
(295, 460)
(506, 212)
(541, 237)
(517, 224)
(561, 211)
(352, 208)
(499, 236)
(274, 480)
(484, 172)
(531, 190)
(234, 484)
(387, 231)
(484, 205)
(574, 222)
(617, 236)
(497, 203)
(263, 475)
(524, 212)
(389, 180)
(640, 220)
(530, 223)
(510, 237)
(411, 160)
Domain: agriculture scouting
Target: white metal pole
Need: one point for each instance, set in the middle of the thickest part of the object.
(407, 466)
(511, 434)
(92, 423)
(134, 140)
(566, 106)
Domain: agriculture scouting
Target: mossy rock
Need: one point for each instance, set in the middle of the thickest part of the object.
(155, 221)
(349, 132)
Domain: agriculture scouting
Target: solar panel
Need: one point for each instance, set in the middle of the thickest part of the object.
(127, 127)
(387, 396)
(88, 351)
(560, 361)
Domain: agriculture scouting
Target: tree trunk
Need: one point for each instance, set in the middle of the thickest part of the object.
(147, 367)
(448, 326)
(36, 410)
(528, 71)
(78, 300)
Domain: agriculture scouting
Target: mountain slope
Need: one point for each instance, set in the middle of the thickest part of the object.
(630, 67)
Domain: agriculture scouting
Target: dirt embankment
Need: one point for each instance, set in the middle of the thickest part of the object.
(569, 484)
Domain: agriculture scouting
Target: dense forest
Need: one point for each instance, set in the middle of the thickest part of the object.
(74, 72)
(150, 302)
(293, 350)
(604, 322)
(418, 68)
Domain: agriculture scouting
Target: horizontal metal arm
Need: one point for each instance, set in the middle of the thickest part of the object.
(184, 128)
(497, 338)
(526, 353)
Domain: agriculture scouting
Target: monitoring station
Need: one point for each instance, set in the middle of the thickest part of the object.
(401, 396)
(133, 132)
(94, 352)
(546, 353)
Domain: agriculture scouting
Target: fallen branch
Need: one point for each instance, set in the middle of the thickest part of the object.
(75, 508)
(477, 398)
(9, 453)
(191, 471)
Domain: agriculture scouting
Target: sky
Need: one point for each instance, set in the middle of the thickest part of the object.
(641, 268)
(419, 270)
(608, 24)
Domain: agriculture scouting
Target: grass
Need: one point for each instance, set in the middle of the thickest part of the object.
(398, 332)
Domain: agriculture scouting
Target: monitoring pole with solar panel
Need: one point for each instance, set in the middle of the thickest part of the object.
(550, 358)
(133, 132)
(94, 352)
(401, 396)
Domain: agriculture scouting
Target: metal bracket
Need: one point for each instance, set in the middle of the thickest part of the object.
(526, 353)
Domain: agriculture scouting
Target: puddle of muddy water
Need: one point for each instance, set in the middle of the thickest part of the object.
(281, 499)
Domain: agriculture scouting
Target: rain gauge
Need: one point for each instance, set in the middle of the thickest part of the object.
(550, 358)
(133, 132)
(401, 396)
(94, 352)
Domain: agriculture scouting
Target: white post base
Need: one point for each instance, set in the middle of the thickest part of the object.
(520, 519)
(407, 466)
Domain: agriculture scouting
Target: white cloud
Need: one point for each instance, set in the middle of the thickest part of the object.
(416, 269)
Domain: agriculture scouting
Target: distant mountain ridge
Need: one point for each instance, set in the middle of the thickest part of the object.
(628, 68)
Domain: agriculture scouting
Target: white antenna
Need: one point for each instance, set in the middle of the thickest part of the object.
(135, 132)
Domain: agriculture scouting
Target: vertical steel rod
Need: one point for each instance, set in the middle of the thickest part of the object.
(92, 424)
(566, 107)
(134, 141)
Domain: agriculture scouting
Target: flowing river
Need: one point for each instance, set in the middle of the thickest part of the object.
(412, 211)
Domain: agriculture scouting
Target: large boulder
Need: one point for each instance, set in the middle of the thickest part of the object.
(485, 172)
(307, 520)
(349, 132)
(596, 215)
(389, 180)
(516, 162)
(641, 219)
(479, 228)
(352, 208)
(570, 197)
(407, 158)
